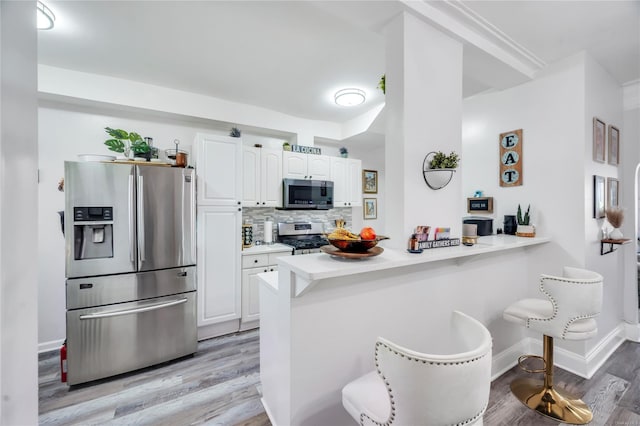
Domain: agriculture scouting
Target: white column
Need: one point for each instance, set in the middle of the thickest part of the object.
(424, 113)
(18, 214)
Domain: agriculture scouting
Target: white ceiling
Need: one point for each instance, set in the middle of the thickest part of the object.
(291, 56)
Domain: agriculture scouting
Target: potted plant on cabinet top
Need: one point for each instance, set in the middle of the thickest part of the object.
(524, 228)
(344, 153)
(125, 142)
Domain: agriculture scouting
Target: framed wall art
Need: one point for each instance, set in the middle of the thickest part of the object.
(599, 142)
(370, 181)
(511, 158)
(370, 208)
(598, 197)
(612, 193)
(614, 145)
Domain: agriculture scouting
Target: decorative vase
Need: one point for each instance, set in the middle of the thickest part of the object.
(344, 155)
(510, 224)
(616, 234)
(526, 231)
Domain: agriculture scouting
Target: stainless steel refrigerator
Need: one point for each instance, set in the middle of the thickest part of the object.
(130, 267)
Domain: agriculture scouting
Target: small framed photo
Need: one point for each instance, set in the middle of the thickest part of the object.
(370, 208)
(599, 134)
(598, 197)
(612, 193)
(614, 145)
(370, 181)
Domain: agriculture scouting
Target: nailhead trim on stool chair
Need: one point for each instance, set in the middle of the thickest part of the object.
(392, 416)
(409, 388)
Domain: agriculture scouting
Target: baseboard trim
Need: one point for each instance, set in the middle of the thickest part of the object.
(53, 345)
(604, 349)
(632, 332)
(508, 358)
(268, 411)
(215, 330)
(582, 365)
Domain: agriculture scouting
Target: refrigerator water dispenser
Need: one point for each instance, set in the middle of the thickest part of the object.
(93, 232)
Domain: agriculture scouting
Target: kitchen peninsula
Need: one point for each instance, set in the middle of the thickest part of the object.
(321, 315)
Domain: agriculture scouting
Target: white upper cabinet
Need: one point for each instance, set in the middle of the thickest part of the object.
(262, 177)
(346, 175)
(354, 182)
(296, 165)
(219, 170)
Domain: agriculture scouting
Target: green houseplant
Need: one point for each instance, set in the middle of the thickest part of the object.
(525, 229)
(381, 84)
(125, 142)
(441, 160)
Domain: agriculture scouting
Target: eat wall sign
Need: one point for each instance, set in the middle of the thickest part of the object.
(511, 158)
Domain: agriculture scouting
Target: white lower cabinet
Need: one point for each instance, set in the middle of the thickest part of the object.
(252, 265)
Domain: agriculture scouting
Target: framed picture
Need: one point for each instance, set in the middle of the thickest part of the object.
(614, 145)
(599, 130)
(612, 192)
(370, 208)
(370, 181)
(598, 197)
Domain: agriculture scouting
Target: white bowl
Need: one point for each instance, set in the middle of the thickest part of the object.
(96, 157)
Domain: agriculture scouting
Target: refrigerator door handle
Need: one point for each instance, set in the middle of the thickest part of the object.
(192, 218)
(147, 308)
(141, 236)
(132, 230)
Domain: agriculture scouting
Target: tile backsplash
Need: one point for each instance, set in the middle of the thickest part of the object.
(257, 215)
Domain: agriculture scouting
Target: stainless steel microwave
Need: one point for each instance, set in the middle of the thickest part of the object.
(307, 194)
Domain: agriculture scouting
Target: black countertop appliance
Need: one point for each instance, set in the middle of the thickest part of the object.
(485, 224)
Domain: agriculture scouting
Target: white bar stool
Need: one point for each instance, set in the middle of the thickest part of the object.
(413, 388)
(573, 301)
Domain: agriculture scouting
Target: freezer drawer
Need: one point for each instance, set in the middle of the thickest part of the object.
(114, 339)
(106, 290)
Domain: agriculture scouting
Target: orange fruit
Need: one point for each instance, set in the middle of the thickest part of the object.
(367, 233)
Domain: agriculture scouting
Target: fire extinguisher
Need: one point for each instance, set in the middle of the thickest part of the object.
(63, 362)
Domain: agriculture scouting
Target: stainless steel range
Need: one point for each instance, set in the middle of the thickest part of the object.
(304, 237)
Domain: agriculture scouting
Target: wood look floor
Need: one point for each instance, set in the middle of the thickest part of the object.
(220, 386)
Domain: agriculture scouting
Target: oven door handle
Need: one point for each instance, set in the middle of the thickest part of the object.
(121, 312)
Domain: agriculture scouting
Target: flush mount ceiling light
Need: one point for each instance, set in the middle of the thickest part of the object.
(46, 18)
(349, 97)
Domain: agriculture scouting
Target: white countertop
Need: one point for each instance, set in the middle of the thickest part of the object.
(267, 248)
(319, 266)
(270, 279)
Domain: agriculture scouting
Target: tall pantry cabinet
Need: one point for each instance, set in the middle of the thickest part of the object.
(219, 224)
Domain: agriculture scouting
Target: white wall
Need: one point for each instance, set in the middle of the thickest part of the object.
(423, 114)
(603, 100)
(555, 112)
(550, 112)
(372, 159)
(18, 215)
(630, 179)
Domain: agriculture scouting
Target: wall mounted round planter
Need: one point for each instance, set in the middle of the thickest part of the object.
(435, 178)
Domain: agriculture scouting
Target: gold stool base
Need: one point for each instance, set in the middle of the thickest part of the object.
(550, 402)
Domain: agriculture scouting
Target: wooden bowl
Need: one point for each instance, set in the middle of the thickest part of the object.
(355, 246)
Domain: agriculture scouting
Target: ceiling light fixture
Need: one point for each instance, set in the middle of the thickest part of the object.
(46, 18)
(349, 97)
